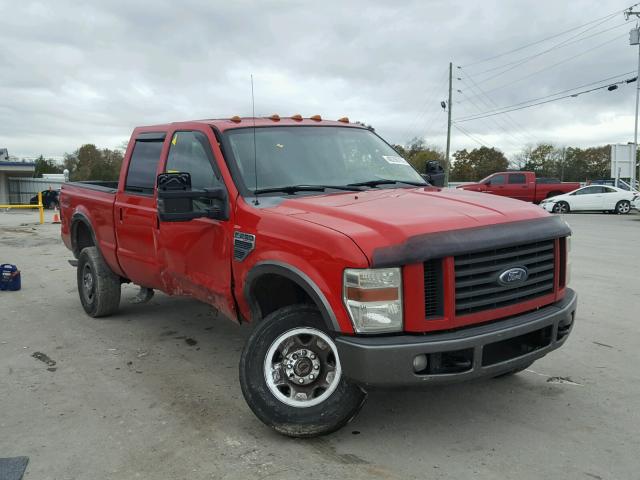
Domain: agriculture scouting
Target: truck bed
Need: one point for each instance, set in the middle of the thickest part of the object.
(94, 202)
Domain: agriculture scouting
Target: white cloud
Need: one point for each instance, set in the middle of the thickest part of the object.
(74, 73)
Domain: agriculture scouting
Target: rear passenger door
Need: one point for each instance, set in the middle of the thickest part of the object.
(196, 254)
(517, 187)
(136, 215)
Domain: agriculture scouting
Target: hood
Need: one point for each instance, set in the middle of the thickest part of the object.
(387, 217)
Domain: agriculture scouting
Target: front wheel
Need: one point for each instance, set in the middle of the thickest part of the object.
(291, 377)
(561, 207)
(623, 207)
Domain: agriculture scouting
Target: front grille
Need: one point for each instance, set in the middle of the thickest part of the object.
(476, 274)
(433, 289)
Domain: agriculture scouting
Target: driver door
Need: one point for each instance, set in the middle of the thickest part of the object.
(195, 255)
(587, 198)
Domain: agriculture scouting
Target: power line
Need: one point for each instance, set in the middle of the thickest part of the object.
(466, 133)
(498, 125)
(547, 101)
(565, 60)
(517, 125)
(516, 63)
(426, 107)
(557, 93)
(611, 15)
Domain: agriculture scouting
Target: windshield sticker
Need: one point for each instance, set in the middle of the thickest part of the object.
(395, 160)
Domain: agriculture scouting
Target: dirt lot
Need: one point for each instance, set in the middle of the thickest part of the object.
(152, 393)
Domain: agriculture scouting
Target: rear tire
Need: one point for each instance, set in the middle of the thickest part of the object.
(561, 207)
(98, 286)
(623, 207)
(291, 377)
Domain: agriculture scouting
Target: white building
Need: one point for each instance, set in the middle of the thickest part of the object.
(12, 169)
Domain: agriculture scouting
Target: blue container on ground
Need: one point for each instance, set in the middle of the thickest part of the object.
(9, 277)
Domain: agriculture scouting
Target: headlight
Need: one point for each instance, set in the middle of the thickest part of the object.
(373, 298)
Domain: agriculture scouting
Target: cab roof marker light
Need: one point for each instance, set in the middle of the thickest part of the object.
(344, 119)
(316, 118)
(235, 119)
(297, 117)
(275, 117)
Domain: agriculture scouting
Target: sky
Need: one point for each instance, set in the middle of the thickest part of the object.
(73, 72)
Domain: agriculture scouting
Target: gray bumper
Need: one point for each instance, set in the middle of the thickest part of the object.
(474, 352)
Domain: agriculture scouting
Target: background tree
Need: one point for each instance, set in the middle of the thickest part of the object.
(46, 165)
(476, 164)
(418, 153)
(91, 163)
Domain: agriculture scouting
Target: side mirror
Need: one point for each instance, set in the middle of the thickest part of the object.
(178, 202)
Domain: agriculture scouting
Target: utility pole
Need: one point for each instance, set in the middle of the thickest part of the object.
(448, 162)
(634, 39)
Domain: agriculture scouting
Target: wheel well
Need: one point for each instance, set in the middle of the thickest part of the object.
(271, 291)
(82, 237)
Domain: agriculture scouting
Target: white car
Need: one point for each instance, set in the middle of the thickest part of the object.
(592, 198)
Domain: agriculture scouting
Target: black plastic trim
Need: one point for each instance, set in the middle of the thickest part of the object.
(387, 361)
(420, 248)
(295, 275)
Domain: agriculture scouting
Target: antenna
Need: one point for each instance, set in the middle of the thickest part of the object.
(255, 148)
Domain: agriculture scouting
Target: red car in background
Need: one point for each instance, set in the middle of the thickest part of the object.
(522, 186)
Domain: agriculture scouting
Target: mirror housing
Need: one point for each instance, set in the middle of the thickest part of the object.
(176, 199)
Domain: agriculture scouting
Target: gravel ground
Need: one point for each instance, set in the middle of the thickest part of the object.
(153, 393)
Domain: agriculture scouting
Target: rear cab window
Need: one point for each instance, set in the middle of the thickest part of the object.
(518, 178)
(141, 174)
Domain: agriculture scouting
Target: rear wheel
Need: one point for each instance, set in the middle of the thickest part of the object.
(98, 286)
(623, 207)
(561, 207)
(291, 377)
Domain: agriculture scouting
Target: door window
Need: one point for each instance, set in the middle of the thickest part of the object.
(589, 190)
(608, 190)
(141, 176)
(497, 180)
(519, 178)
(190, 152)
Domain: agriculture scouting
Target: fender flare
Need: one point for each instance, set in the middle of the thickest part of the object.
(299, 278)
(77, 218)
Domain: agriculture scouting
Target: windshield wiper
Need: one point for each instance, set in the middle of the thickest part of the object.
(291, 189)
(375, 183)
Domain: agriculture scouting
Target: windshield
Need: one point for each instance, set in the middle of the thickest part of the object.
(338, 156)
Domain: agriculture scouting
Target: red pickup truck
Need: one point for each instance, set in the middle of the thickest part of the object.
(355, 272)
(521, 185)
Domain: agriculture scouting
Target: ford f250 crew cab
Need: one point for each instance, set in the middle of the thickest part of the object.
(521, 185)
(356, 272)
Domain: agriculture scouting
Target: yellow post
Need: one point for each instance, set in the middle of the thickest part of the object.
(40, 208)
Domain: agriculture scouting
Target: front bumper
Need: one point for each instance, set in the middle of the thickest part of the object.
(548, 206)
(483, 351)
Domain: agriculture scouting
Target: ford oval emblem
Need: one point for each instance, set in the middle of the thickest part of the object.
(513, 276)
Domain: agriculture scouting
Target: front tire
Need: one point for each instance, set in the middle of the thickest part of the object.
(561, 207)
(623, 207)
(291, 377)
(98, 286)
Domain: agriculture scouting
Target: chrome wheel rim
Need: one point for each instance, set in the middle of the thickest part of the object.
(624, 207)
(88, 283)
(302, 368)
